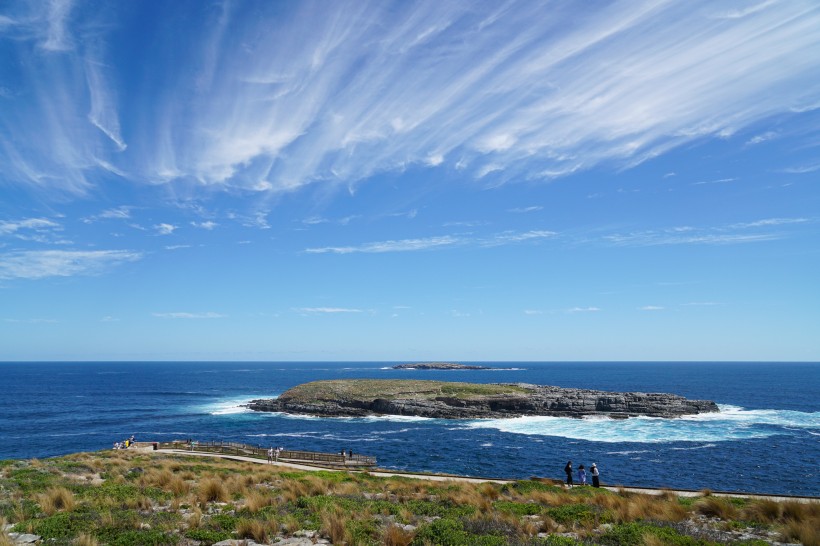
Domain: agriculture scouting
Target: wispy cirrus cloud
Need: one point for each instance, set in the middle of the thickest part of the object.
(737, 233)
(340, 93)
(326, 310)
(184, 315)
(583, 310)
(39, 264)
(165, 229)
(443, 241)
(31, 229)
(651, 308)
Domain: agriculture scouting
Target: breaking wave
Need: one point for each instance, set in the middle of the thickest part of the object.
(732, 423)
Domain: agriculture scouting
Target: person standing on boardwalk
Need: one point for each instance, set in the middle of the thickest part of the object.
(582, 475)
(568, 470)
(270, 455)
(594, 471)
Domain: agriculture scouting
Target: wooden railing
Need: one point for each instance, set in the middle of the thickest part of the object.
(261, 452)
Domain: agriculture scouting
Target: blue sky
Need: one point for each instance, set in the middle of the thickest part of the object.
(263, 180)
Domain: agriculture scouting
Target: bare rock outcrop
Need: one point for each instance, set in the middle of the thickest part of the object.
(448, 400)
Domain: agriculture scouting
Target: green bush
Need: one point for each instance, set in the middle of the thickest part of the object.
(557, 540)
(518, 508)
(207, 536)
(525, 487)
(578, 513)
(632, 534)
(63, 525)
(224, 522)
(450, 532)
(133, 537)
(31, 479)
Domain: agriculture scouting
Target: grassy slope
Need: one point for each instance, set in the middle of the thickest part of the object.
(134, 499)
(370, 389)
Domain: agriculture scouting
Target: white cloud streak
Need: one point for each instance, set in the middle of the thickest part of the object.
(326, 310)
(39, 264)
(337, 92)
(208, 315)
(722, 235)
(443, 241)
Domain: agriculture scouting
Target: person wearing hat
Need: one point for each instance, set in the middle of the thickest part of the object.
(594, 471)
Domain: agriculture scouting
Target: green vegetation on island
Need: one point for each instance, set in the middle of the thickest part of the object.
(134, 498)
(389, 389)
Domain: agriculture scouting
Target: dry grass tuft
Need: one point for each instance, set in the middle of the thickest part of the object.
(194, 519)
(256, 500)
(804, 532)
(291, 524)
(57, 499)
(393, 535)
(84, 539)
(252, 528)
(293, 490)
(333, 525)
(212, 490)
(160, 478)
(715, 507)
(178, 487)
(763, 511)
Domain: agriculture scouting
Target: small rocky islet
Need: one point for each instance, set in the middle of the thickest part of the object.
(455, 400)
(440, 366)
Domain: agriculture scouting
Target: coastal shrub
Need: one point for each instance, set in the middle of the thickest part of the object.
(31, 479)
(638, 534)
(518, 508)
(137, 537)
(361, 531)
(59, 526)
(207, 536)
(450, 532)
(224, 522)
(581, 514)
(525, 487)
(557, 540)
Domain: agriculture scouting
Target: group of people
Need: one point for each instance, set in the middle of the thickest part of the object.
(124, 444)
(273, 454)
(582, 475)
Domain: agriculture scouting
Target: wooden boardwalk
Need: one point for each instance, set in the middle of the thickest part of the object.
(314, 458)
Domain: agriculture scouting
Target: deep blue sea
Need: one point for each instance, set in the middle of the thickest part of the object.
(766, 438)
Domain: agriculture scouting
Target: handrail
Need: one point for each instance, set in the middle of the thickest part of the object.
(260, 452)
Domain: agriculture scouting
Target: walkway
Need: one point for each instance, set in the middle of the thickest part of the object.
(468, 479)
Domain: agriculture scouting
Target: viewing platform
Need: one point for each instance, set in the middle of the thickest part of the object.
(314, 458)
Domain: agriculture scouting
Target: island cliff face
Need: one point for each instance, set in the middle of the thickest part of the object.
(451, 400)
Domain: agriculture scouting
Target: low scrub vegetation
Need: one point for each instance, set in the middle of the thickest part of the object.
(126, 498)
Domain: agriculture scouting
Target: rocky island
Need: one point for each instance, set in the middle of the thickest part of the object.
(439, 366)
(452, 400)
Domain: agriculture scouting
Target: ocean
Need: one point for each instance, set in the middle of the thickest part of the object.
(765, 439)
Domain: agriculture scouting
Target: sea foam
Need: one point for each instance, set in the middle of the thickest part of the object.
(732, 423)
